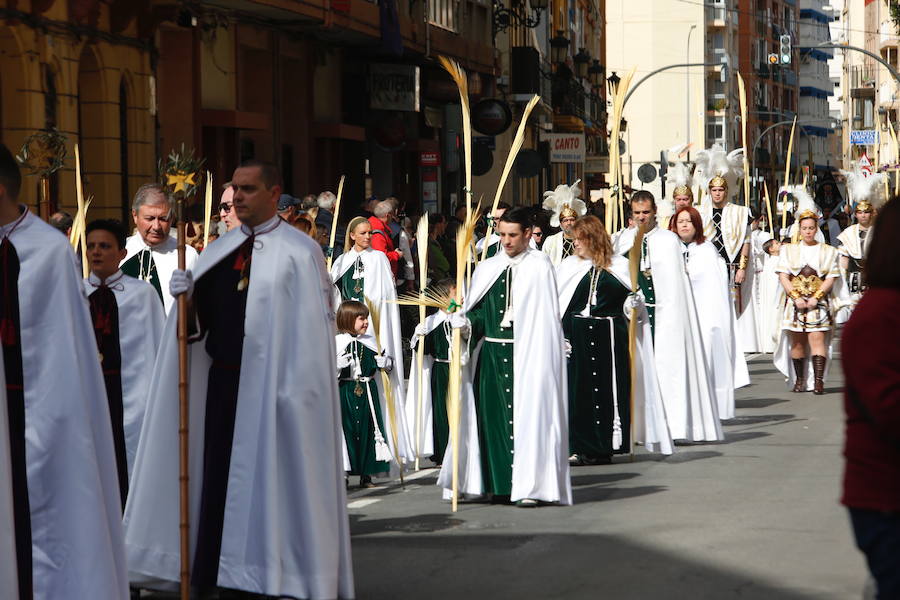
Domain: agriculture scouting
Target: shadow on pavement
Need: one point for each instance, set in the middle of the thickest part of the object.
(753, 419)
(458, 565)
(743, 436)
(758, 402)
(602, 493)
(599, 478)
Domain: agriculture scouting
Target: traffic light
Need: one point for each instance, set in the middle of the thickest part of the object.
(784, 49)
(773, 59)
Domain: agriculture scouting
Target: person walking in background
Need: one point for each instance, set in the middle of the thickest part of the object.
(871, 355)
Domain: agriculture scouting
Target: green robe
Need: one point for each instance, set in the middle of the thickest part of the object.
(142, 266)
(590, 367)
(645, 282)
(437, 346)
(356, 416)
(352, 289)
(494, 388)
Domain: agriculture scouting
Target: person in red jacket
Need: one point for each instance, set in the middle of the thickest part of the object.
(871, 356)
(381, 233)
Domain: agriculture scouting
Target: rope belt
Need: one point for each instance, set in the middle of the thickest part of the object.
(441, 360)
(499, 340)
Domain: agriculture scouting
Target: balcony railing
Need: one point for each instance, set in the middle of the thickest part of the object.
(862, 76)
(442, 13)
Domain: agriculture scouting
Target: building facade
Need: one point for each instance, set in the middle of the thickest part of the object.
(816, 86)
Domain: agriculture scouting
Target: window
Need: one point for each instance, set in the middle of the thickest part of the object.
(442, 13)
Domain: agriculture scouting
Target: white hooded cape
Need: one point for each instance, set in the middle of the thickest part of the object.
(141, 321)
(73, 484)
(378, 287)
(649, 419)
(285, 531)
(540, 403)
(715, 312)
(685, 384)
(770, 313)
(165, 257)
(426, 431)
(553, 247)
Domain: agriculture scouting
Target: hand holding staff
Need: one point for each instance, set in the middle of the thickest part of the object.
(334, 223)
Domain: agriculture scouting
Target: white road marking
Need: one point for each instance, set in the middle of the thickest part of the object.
(362, 502)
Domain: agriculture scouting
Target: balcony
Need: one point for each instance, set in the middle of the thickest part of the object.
(862, 77)
(717, 16)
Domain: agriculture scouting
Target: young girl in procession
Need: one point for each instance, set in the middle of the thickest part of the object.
(362, 398)
(432, 430)
(807, 271)
(709, 281)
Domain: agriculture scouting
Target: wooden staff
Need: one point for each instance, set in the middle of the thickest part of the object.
(634, 267)
(422, 250)
(208, 208)
(183, 414)
(787, 173)
(334, 224)
(743, 96)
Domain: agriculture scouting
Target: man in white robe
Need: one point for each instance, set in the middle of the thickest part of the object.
(512, 315)
(128, 320)
(267, 495)
(854, 243)
(684, 382)
(566, 208)
(67, 510)
(152, 253)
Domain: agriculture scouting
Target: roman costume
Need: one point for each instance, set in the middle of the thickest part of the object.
(563, 203)
(267, 496)
(807, 266)
(155, 264)
(67, 511)
(128, 320)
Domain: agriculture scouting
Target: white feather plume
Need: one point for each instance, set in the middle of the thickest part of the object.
(564, 195)
(715, 162)
(863, 185)
(678, 175)
(803, 200)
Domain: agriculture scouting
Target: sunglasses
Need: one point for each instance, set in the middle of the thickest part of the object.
(225, 207)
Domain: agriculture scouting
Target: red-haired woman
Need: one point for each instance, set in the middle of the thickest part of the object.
(709, 282)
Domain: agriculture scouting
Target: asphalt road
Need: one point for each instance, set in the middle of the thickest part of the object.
(756, 516)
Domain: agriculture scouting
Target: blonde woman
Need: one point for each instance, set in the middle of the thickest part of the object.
(364, 275)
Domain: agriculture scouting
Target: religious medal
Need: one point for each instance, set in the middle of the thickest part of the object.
(358, 389)
(357, 288)
(243, 283)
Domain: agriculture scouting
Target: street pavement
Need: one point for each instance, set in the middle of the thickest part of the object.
(756, 516)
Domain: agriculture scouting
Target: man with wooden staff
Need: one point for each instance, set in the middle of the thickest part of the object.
(268, 505)
(65, 494)
(727, 226)
(511, 315)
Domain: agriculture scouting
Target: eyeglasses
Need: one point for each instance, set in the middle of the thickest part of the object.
(537, 234)
(225, 207)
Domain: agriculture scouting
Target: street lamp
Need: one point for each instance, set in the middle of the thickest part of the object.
(503, 17)
(613, 82)
(581, 60)
(559, 47)
(595, 73)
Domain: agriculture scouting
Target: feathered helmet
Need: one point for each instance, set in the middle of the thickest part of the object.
(679, 178)
(563, 202)
(716, 168)
(805, 207)
(863, 185)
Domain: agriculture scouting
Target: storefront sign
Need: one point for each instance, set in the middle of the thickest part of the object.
(429, 159)
(565, 147)
(864, 137)
(394, 87)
